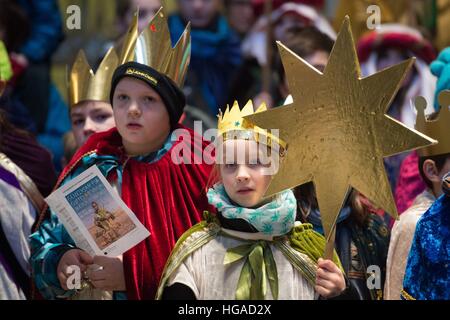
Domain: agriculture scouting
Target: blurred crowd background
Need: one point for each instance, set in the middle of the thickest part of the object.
(234, 57)
(234, 54)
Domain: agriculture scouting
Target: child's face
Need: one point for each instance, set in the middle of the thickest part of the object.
(245, 178)
(199, 12)
(89, 117)
(390, 57)
(141, 116)
(240, 15)
(147, 9)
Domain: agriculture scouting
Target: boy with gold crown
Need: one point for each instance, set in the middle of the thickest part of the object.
(90, 108)
(137, 159)
(434, 163)
(251, 240)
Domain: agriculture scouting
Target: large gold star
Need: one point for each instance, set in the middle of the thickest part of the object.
(337, 130)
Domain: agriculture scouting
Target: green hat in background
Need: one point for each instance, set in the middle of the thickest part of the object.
(5, 67)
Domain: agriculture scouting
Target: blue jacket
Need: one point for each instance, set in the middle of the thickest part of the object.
(427, 275)
(46, 29)
(215, 56)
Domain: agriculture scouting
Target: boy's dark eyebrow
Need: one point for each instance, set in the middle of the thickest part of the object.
(99, 109)
(76, 114)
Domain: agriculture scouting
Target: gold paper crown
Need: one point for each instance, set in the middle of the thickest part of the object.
(232, 125)
(153, 47)
(438, 129)
(85, 85)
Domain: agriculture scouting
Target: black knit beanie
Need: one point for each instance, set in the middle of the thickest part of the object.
(171, 95)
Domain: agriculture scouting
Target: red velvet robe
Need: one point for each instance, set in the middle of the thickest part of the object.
(167, 198)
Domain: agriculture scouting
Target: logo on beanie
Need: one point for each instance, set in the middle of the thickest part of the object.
(132, 71)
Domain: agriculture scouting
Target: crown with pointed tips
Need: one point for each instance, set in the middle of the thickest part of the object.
(85, 85)
(438, 129)
(232, 125)
(153, 47)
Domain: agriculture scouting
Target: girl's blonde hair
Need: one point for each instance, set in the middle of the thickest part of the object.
(214, 177)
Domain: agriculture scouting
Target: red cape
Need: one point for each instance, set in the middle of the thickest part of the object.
(167, 198)
(409, 183)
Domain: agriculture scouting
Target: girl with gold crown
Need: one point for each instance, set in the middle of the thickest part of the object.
(251, 243)
(137, 159)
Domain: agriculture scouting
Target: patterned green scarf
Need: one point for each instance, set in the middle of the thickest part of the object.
(275, 218)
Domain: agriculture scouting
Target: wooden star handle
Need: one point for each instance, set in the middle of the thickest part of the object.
(329, 247)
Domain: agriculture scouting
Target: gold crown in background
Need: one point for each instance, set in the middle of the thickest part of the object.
(232, 125)
(153, 47)
(438, 129)
(85, 85)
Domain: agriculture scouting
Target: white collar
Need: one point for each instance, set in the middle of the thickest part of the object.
(248, 235)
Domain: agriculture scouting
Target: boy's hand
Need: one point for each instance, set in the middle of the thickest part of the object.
(73, 257)
(111, 276)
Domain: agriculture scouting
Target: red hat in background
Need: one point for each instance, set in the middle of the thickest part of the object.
(396, 36)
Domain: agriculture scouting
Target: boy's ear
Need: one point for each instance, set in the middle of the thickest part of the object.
(430, 170)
